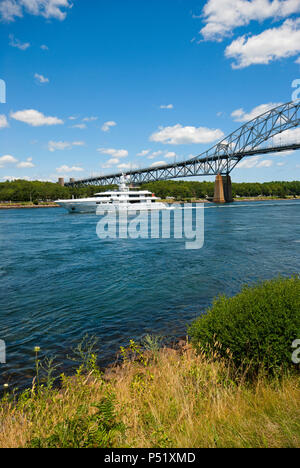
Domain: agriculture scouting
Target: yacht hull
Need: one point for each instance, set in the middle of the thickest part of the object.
(92, 207)
(122, 200)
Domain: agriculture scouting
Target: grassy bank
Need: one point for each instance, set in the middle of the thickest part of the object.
(234, 385)
(179, 399)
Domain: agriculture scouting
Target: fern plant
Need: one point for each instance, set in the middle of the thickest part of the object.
(99, 430)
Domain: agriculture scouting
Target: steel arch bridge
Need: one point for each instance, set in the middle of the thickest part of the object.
(249, 140)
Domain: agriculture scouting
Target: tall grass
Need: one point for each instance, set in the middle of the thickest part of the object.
(162, 398)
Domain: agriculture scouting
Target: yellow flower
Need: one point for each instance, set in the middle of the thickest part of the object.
(37, 349)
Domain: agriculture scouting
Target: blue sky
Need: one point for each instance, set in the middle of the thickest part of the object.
(105, 85)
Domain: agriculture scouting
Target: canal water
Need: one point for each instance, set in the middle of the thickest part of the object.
(59, 281)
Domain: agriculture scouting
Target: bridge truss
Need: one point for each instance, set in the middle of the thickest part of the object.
(249, 140)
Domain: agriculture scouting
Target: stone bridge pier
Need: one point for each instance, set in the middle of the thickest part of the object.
(223, 189)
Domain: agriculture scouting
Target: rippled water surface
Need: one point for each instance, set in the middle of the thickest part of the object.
(58, 281)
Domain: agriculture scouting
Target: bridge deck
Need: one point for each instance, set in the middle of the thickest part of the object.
(189, 168)
(248, 140)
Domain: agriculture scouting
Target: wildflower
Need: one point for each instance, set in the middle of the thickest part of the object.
(37, 349)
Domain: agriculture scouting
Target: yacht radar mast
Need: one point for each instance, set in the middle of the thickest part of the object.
(123, 184)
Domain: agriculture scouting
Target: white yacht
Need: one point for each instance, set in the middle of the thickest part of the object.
(118, 200)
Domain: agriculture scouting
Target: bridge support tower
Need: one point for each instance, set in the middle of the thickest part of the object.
(219, 196)
(223, 189)
(227, 188)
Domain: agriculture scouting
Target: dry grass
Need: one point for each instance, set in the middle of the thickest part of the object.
(177, 400)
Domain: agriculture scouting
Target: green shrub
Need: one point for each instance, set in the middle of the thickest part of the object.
(255, 329)
(83, 431)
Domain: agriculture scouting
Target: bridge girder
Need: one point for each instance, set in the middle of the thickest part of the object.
(246, 141)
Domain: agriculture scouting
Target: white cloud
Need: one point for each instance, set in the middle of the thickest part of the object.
(13, 42)
(144, 153)
(108, 125)
(9, 178)
(283, 153)
(287, 137)
(168, 106)
(3, 121)
(89, 119)
(26, 164)
(298, 60)
(12, 9)
(240, 115)
(179, 135)
(127, 167)
(80, 126)
(41, 79)
(7, 159)
(111, 162)
(65, 169)
(158, 163)
(170, 154)
(63, 145)
(35, 118)
(222, 16)
(271, 45)
(155, 154)
(9, 10)
(265, 163)
(73, 117)
(248, 163)
(280, 164)
(44, 47)
(115, 153)
(122, 167)
(254, 161)
(58, 145)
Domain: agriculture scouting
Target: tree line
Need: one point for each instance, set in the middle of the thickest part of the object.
(184, 189)
(25, 191)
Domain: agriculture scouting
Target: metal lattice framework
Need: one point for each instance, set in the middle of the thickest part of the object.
(249, 140)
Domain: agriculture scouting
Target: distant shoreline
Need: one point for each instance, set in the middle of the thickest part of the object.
(253, 199)
(20, 207)
(250, 199)
(265, 199)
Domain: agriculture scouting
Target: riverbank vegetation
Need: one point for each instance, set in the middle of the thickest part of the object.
(36, 192)
(190, 395)
(26, 191)
(253, 329)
